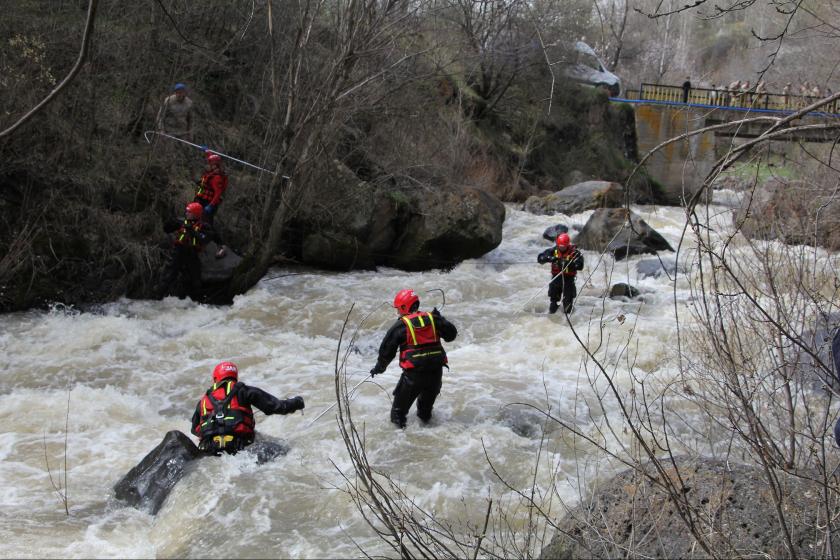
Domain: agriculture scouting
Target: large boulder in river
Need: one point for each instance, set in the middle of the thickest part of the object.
(447, 226)
(629, 516)
(147, 485)
(621, 232)
(577, 198)
(361, 225)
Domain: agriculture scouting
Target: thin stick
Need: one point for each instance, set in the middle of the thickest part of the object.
(483, 531)
(336, 402)
(66, 428)
(83, 52)
(148, 132)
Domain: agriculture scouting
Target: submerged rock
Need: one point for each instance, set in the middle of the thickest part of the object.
(577, 198)
(147, 485)
(266, 449)
(551, 232)
(657, 267)
(622, 290)
(606, 231)
(628, 516)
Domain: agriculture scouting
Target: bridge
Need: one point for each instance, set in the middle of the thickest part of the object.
(663, 112)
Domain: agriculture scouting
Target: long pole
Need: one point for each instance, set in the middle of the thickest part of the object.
(204, 148)
(335, 403)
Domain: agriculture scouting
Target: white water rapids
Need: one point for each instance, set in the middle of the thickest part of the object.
(135, 369)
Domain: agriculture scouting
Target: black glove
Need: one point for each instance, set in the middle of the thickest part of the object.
(375, 371)
(297, 404)
(435, 312)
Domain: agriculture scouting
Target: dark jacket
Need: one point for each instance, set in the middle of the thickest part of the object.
(397, 335)
(253, 396)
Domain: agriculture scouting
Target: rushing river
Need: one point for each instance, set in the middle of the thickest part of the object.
(135, 369)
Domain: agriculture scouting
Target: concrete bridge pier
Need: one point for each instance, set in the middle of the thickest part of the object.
(681, 166)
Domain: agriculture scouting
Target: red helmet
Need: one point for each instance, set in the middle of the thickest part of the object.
(225, 370)
(405, 300)
(213, 158)
(194, 211)
(563, 242)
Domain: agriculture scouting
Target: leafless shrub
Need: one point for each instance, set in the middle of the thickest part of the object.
(59, 483)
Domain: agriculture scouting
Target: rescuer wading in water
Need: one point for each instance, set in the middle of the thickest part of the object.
(417, 335)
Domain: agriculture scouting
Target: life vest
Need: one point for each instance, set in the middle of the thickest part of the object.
(422, 347)
(563, 262)
(223, 418)
(190, 234)
(207, 187)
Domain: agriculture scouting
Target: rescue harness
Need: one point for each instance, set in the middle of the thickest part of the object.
(225, 422)
(422, 347)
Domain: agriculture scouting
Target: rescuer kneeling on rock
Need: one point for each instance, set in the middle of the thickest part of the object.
(565, 261)
(224, 421)
(417, 335)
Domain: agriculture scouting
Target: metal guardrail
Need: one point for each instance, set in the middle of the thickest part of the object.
(724, 98)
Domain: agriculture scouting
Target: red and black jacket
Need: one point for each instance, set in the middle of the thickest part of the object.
(417, 336)
(222, 414)
(211, 187)
(238, 417)
(568, 263)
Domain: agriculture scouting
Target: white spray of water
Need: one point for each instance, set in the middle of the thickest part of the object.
(136, 369)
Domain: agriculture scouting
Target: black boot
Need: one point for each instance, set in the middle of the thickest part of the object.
(552, 307)
(398, 418)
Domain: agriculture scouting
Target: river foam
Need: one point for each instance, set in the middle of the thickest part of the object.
(135, 369)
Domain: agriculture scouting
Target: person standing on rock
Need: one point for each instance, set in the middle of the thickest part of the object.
(565, 261)
(418, 336)
(211, 186)
(190, 237)
(175, 115)
(224, 420)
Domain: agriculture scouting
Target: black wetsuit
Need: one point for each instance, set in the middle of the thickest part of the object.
(420, 384)
(563, 286)
(184, 259)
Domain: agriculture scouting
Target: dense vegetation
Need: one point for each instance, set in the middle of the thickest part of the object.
(408, 97)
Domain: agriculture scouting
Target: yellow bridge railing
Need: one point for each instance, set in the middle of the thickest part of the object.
(722, 97)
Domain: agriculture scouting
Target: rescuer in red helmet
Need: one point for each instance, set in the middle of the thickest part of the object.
(211, 186)
(417, 335)
(224, 421)
(190, 236)
(565, 261)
